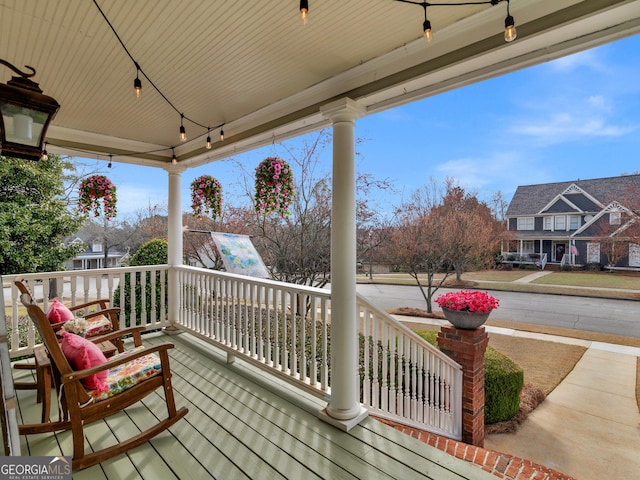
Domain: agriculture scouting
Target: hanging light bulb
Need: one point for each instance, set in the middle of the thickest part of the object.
(221, 134)
(208, 145)
(304, 11)
(109, 164)
(137, 83)
(183, 132)
(510, 33)
(174, 160)
(45, 155)
(426, 26)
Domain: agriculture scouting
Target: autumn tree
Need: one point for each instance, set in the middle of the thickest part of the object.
(469, 228)
(34, 216)
(419, 244)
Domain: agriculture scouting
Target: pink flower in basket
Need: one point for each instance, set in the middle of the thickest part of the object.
(468, 301)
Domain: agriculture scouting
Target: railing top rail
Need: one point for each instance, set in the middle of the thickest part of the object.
(7, 280)
(262, 281)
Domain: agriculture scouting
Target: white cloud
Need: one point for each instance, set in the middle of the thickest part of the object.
(587, 59)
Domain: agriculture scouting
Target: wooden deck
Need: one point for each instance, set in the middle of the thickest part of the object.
(243, 425)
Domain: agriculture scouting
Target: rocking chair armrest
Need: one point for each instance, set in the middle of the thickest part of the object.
(112, 314)
(103, 302)
(104, 312)
(133, 331)
(115, 361)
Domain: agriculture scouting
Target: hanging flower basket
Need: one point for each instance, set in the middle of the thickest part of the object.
(97, 195)
(206, 197)
(274, 187)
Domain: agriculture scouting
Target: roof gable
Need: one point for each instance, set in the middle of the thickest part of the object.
(585, 195)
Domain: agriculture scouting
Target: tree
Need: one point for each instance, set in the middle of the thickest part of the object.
(469, 227)
(419, 244)
(114, 234)
(34, 216)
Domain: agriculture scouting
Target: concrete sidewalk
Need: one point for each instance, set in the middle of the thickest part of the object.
(589, 426)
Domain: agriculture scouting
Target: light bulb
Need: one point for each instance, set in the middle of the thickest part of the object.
(510, 33)
(304, 11)
(208, 142)
(221, 135)
(427, 30)
(174, 160)
(137, 86)
(183, 133)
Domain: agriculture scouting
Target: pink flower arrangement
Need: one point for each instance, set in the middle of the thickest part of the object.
(468, 301)
(95, 190)
(206, 196)
(274, 187)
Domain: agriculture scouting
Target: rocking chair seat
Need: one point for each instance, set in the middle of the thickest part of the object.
(122, 377)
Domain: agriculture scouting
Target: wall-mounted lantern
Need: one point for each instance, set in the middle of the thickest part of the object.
(26, 115)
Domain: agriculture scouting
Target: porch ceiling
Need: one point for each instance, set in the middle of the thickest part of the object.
(256, 69)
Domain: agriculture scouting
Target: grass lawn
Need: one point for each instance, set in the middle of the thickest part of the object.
(592, 279)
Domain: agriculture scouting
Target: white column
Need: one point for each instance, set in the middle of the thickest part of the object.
(174, 240)
(344, 409)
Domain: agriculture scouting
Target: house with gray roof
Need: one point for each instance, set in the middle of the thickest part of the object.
(576, 222)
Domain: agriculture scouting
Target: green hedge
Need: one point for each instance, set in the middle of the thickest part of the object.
(503, 382)
(154, 252)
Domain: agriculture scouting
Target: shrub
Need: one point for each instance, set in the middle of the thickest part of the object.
(154, 252)
(503, 382)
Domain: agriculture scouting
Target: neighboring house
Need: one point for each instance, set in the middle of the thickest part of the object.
(577, 222)
(93, 256)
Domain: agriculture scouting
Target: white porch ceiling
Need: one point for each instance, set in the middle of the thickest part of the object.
(255, 68)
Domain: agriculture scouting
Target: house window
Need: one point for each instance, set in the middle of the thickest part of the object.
(615, 218)
(547, 223)
(574, 222)
(525, 223)
(528, 246)
(560, 222)
(96, 247)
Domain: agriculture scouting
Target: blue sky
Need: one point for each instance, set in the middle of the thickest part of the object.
(573, 118)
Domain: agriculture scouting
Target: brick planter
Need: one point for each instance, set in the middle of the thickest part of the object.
(467, 347)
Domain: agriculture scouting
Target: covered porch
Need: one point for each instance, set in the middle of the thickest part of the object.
(340, 70)
(243, 424)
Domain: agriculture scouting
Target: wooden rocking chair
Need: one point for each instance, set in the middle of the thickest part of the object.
(80, 405)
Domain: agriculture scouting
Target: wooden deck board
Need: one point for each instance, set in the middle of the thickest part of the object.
(243, 424)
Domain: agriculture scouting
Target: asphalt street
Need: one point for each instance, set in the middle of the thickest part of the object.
(618, 317)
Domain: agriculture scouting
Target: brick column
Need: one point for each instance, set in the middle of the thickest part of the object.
(467, 347)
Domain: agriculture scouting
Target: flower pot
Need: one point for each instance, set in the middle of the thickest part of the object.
(465, 320)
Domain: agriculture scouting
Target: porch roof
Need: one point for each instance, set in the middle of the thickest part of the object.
(243, 425)
(254, 69)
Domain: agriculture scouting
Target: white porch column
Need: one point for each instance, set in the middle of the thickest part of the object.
(174, 240)
(344, 409)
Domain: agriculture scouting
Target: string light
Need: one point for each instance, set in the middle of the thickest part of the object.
(183, 132)
(510, 33)
(45, 155)
(221, 134)
(109, 164)
(208, 145)
(137, 83)
(509, 23)
(304, 11)
(174, 160)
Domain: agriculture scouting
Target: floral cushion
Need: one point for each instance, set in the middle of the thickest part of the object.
(128, 375)
(97, 326)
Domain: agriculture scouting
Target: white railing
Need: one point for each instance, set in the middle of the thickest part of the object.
(537, 259)
(286, 329)
(405, 378)
(283, 328)
(80, 286)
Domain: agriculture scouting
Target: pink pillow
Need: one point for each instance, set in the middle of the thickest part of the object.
(58, 312)
(81, 354)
